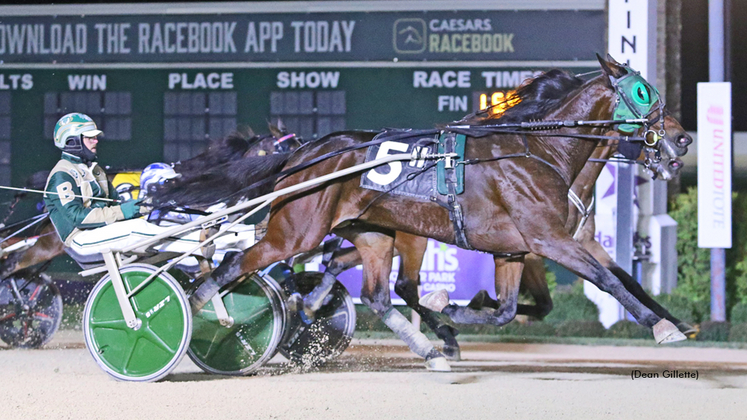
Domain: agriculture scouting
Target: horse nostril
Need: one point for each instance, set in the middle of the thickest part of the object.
(675, 164)
(684, 140)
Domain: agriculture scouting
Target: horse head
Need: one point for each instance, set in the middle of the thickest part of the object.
(664, 138)
(280, 140)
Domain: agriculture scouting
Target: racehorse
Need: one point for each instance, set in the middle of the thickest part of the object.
(580, 224)
(516, 203)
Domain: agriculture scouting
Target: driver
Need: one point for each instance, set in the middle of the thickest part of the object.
(85, 208)
(84, 200)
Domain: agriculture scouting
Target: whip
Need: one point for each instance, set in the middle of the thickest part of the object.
(49, 192)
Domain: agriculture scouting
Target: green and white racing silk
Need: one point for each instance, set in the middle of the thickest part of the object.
(72, 206)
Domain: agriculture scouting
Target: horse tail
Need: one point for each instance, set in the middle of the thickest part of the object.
(222, 183)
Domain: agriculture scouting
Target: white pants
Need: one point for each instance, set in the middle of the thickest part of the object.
(120, 235)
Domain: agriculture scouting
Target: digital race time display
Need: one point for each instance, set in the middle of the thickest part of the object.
(497, 100)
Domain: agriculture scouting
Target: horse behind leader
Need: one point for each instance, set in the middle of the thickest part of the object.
(516, 202)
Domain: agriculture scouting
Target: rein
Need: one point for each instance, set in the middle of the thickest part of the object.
(11, 209)
(524, 129)
(295, 169)
(34, 220)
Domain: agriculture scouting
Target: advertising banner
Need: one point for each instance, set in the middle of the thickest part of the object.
(460, 272)
(462, 35)
(714, 165)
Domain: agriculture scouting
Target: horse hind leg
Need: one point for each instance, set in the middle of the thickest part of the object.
(315, 299)
(507, 279)
(412, 249)
(376, 251)
(532, 282)
(287, 235)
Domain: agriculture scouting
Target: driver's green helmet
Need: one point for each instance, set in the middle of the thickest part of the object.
(73, 125)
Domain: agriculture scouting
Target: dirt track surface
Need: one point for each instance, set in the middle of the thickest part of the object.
(380, 379)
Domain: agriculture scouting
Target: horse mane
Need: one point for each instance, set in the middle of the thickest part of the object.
(230, 147)
(533, 100)
(221, 183)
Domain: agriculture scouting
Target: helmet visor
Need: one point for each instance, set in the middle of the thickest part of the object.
(89, 129)
(92, 133)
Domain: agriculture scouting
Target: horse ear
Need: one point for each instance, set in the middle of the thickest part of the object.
(274, 130)
(281, 126)
(611, 67)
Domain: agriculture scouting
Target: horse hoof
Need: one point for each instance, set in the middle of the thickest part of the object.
(687, 329)
(452, 353)
(435, 301)
(478, 301)
(437, 364)
(294, 302)
(665, 332)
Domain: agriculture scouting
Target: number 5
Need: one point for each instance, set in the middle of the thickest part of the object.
(395, 168)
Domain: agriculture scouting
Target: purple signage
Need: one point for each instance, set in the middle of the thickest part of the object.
(462, 273)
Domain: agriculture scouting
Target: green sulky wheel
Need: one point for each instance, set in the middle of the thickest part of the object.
(258, 316)
(153, 350)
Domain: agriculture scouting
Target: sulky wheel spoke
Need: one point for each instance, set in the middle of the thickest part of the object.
(130, 354)
(214, 343)
(151, 336)
(115, 324)
(7, 317)
(35, 294)
(43, 318)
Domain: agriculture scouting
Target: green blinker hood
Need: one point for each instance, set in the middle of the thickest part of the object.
(635, 99)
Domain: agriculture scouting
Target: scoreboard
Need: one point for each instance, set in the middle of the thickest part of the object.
(162, 80)
(162, 115)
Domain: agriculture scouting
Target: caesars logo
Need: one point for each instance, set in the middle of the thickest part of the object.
(409, 35)
(413, 36)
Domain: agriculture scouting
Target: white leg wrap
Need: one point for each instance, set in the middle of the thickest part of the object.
(414, 339)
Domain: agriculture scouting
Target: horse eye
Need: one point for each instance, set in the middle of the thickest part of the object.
(643, 95)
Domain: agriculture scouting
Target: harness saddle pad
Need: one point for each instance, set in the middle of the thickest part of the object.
(419, 179)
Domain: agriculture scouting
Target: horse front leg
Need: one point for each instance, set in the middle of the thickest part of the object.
(589, 242)
(507, 279)
(376, 251)
(412, 249)
(561, 248)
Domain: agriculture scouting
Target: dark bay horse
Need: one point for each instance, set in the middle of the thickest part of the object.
(580, 224)
(513, 206)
